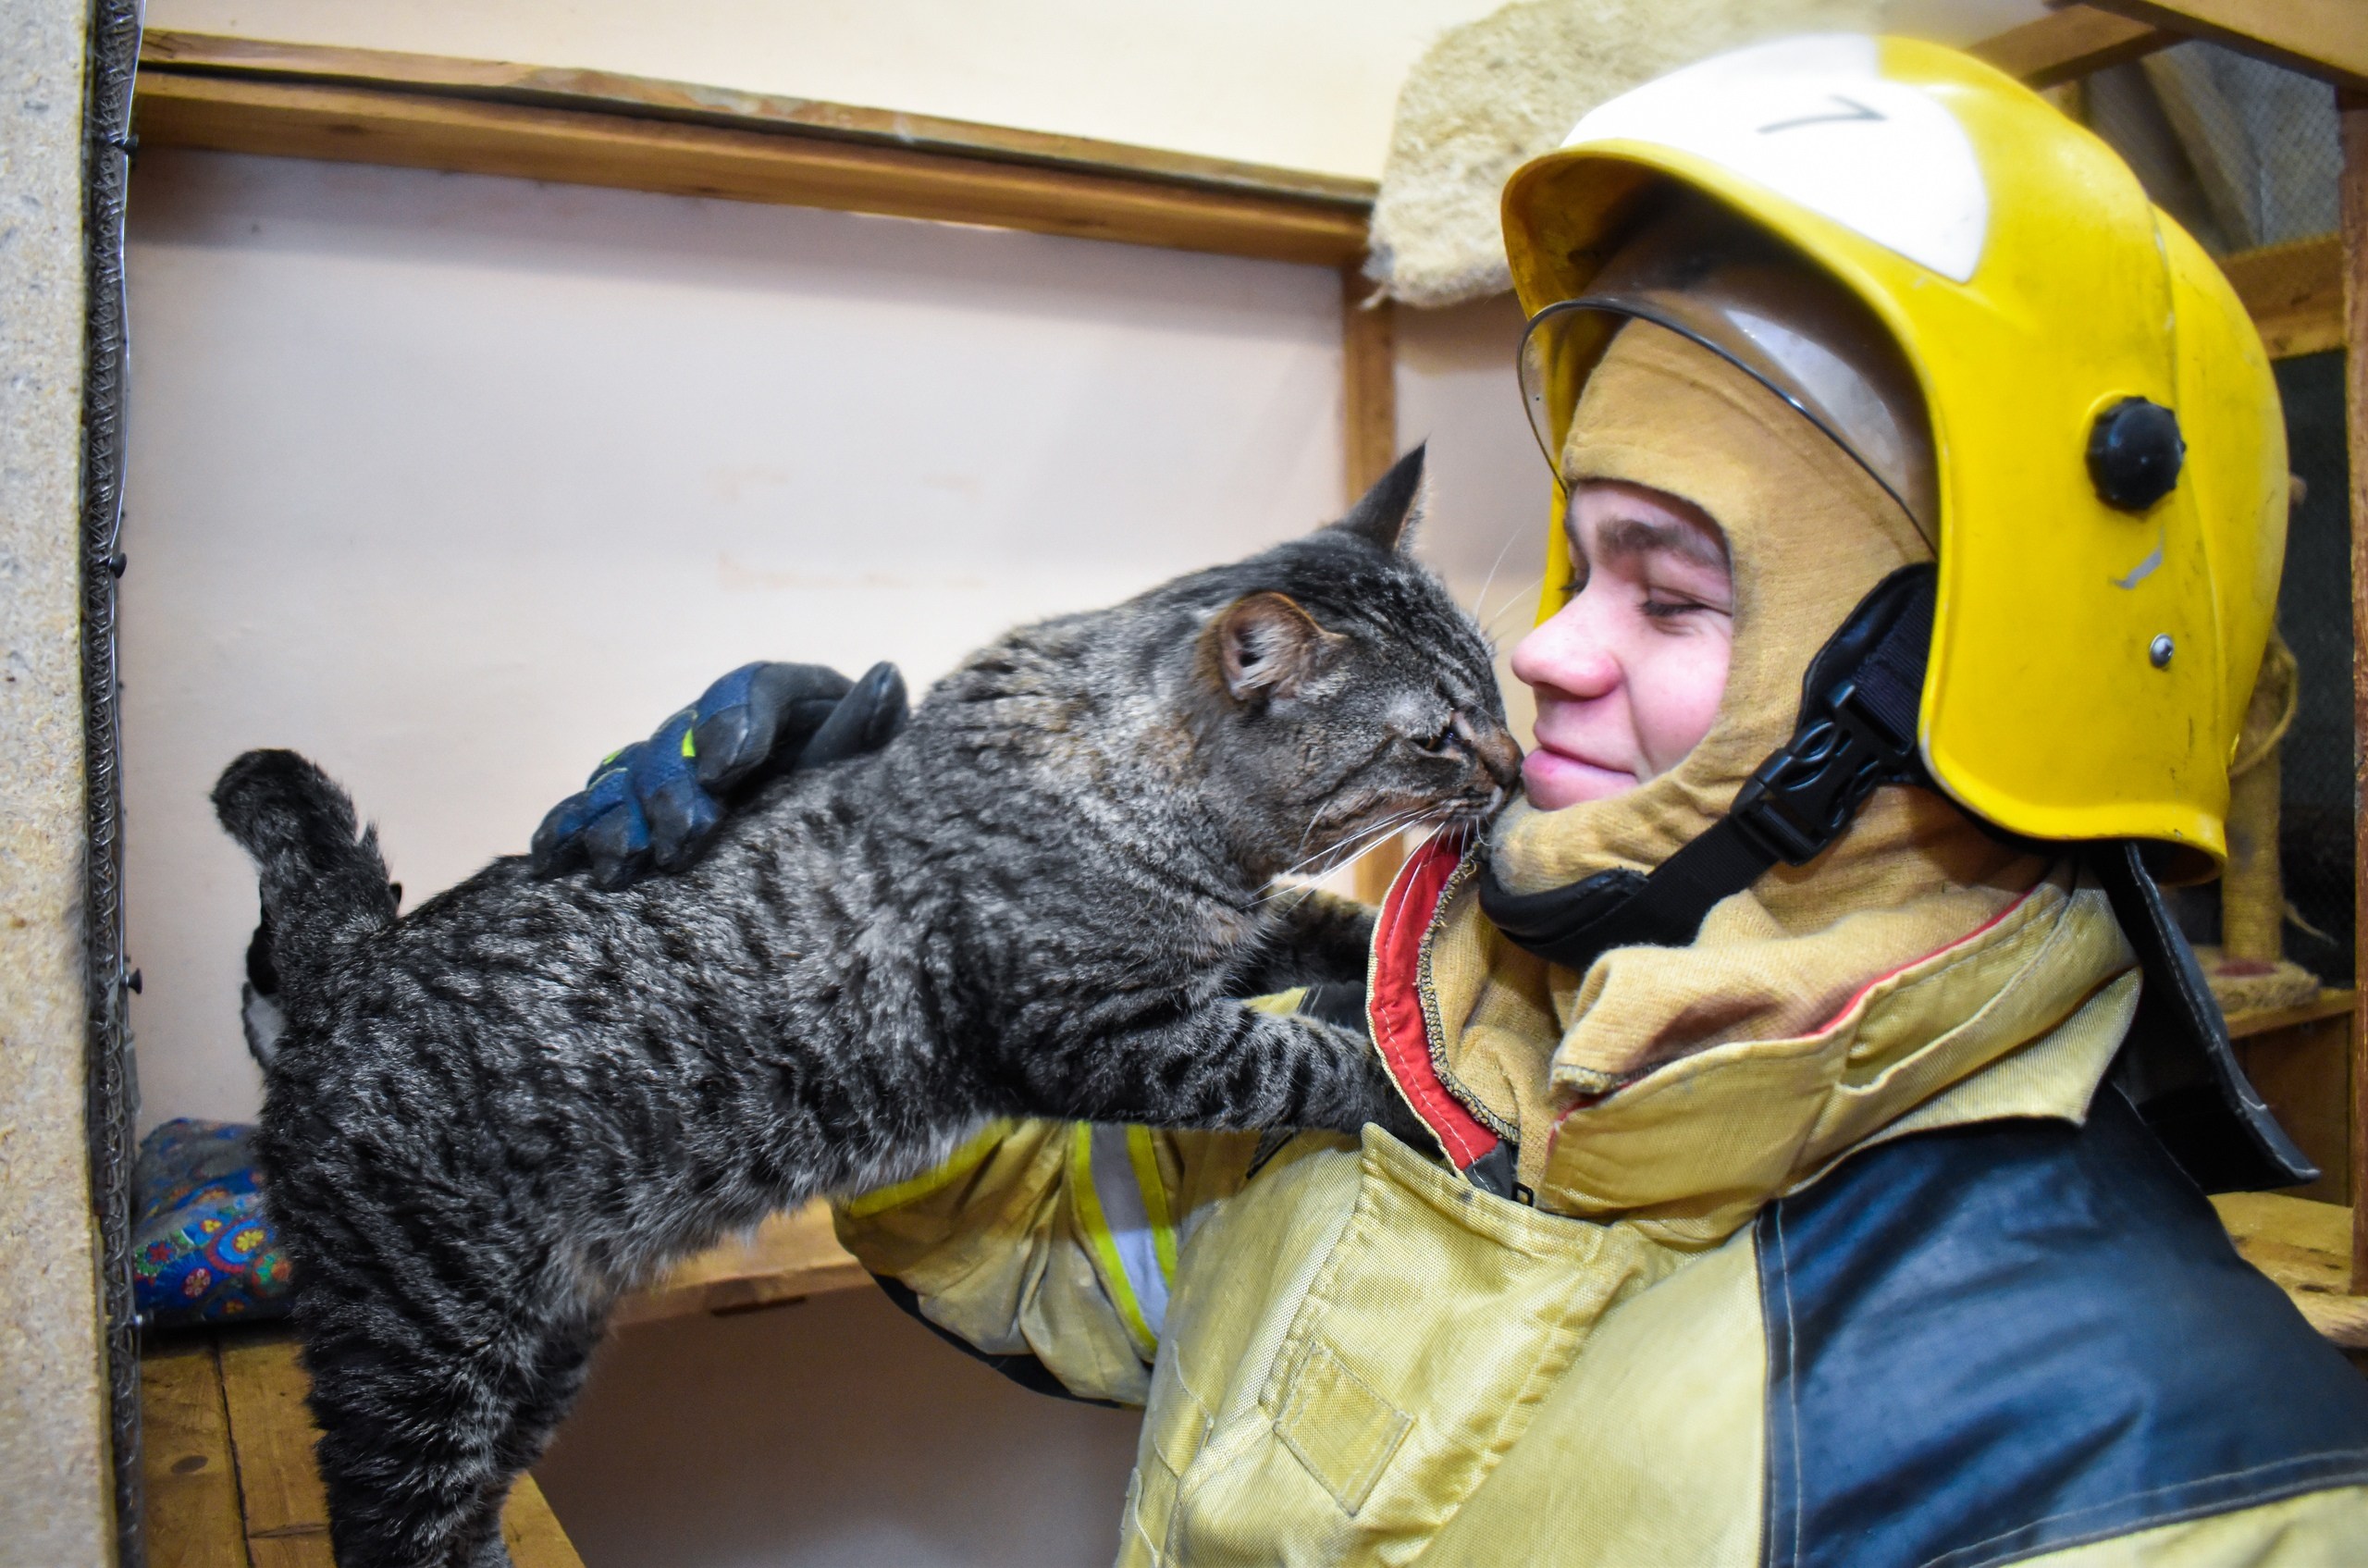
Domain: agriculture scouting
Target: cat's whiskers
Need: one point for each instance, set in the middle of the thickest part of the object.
(1487, 618)
(1343, 853)
(1481, 598)
(1363, 843)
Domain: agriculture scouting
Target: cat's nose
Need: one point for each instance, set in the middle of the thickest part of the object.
(1495, 746)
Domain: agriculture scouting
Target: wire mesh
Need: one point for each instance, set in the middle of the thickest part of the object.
(2242, 153)
(2315, 806)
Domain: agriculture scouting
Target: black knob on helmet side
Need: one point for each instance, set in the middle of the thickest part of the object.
(2135, 452)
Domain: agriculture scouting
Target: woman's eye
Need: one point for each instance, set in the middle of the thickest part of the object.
(1668, 609)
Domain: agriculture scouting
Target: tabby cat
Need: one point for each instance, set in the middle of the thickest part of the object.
(491, 1116)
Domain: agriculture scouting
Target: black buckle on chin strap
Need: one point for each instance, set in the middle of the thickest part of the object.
(1859, 701)
(1800, 800)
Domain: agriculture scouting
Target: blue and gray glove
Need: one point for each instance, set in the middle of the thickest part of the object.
(656, 804)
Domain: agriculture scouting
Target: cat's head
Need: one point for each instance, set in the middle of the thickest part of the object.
(1340, 693)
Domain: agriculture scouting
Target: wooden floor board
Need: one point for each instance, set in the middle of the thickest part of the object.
(190, 1480)
(229, 1465)
(273, 1435)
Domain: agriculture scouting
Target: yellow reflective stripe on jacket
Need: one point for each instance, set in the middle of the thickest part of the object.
(957, 1164)
(1122, 1208)
(1153, 1188)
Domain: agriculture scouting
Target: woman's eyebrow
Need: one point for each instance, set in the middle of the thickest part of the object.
(1634, 536)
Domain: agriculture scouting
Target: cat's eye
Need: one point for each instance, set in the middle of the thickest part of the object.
(1445, 741)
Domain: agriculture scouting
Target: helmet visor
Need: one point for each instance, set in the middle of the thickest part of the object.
(1709, 276)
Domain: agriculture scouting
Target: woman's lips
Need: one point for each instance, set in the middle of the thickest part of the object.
(1556, 778)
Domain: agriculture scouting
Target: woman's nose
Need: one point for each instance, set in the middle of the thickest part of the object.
(1569, 653)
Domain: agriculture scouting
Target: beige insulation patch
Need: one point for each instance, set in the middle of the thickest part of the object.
(1492, 95)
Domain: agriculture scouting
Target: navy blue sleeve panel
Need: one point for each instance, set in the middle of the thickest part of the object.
(1999, 1341)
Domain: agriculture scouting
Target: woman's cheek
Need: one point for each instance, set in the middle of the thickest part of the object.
(1688, 680)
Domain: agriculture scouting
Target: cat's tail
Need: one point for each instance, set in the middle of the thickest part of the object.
(324, 882)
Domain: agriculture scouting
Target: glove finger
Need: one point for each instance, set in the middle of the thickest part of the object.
(618, 845)
(681, 817)
(866, 719)
(664, 783)
(558, 847)
(758, 712)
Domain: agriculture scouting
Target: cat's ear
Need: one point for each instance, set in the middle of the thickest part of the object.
(1389, 511)
(1266, 646)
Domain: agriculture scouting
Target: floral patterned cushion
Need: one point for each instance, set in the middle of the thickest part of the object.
(202, 1250)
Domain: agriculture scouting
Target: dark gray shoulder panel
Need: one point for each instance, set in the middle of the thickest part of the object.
(1999, 1341)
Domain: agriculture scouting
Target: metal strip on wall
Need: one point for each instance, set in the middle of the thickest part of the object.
(113, 62)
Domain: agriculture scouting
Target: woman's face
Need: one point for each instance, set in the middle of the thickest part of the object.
(1629, 671)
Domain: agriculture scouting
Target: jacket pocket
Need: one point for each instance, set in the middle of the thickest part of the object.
(1436, 1323)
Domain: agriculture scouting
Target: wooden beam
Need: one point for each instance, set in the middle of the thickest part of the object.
(2324, 38)
(2354, 114)
(598, 129)
(1369, 445)
(2067, 44)
(2294, 293)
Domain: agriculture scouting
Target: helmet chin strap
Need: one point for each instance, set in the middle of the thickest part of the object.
(1857, 732)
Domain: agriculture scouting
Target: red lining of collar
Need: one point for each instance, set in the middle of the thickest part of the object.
(1394, 1003)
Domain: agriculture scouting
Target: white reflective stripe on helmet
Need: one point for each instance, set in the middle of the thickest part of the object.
(1815, 121)
(1122, 1208)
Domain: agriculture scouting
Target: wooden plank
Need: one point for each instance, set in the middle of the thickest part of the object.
(2303, 1071)
(2330, 1004)
(2067, 44)
(272, 1434)
(529, 1527)
(307, 1549)
(163, 51)
(574, 146)
(791, 1256)
(2302, 1246)
(191, 1481)
(2326, 38)
(1369, 445)
(532, 1531)
(286, 1511)
(2354, 116)
(2294, 293)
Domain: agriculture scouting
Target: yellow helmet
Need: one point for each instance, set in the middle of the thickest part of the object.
(2099, 455)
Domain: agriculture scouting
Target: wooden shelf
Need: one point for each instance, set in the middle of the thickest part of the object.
(2329, 1005)
(227, 1461)
(598, 128)
(789, 1257)
(2306, 1248)
(2294, 293)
